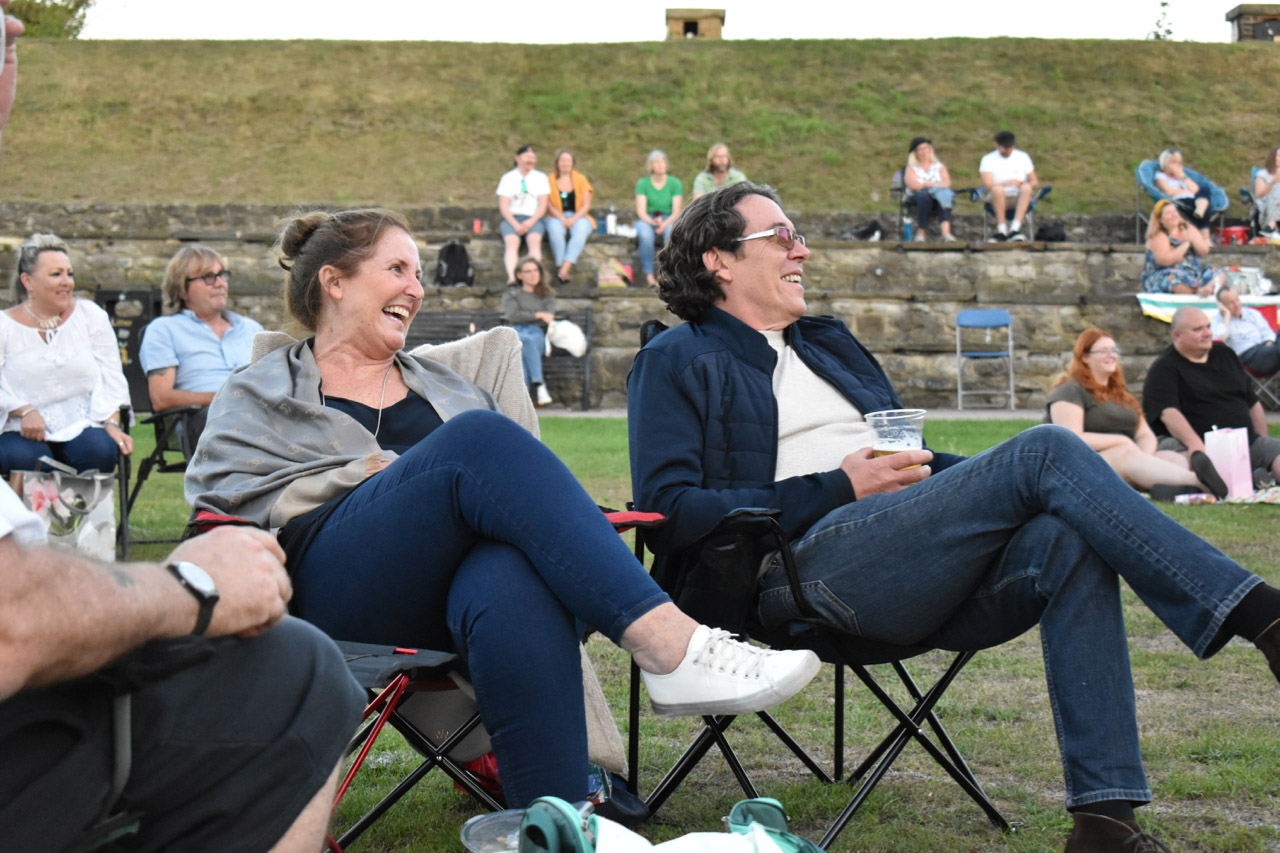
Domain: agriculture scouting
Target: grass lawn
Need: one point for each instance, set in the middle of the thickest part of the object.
(428, 124)
(1211, 731)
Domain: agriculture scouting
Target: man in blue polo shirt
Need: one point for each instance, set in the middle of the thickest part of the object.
(188, 355)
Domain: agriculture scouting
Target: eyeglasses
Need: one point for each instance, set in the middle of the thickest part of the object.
(210, 278)
(786, 237)
(1106, 351)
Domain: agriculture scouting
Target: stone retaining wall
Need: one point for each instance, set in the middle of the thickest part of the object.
(899, 299)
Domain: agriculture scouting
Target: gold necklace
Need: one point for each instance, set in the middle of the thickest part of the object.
(46, 323)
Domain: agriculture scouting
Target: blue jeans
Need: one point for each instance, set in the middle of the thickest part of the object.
(930, 199)
(533, 343)
(1037, 530)
(479, 541)
(575, 239)
(646, 235)
(92, 448)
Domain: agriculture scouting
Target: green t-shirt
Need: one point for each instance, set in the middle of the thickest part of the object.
(1098, 417)
(659, 200)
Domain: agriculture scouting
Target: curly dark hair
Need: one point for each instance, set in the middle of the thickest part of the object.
(713, 221)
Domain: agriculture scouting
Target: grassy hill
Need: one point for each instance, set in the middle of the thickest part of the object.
(827, 122)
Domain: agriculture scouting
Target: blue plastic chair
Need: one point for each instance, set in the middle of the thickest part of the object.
(986, 319)
(1146, 178)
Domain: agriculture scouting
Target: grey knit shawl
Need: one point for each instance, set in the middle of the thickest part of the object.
(271, 450)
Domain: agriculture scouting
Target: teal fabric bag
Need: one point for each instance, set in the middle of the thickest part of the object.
(768, 813)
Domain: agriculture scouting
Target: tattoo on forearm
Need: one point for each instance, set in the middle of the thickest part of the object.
(159, 371)
(119, 574)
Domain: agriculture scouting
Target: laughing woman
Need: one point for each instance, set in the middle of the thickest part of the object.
(61, 381)
(414, 514)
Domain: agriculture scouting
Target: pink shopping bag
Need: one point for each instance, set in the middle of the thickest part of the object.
(1228, 449)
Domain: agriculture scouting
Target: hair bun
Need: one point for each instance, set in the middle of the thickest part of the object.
(297, 231)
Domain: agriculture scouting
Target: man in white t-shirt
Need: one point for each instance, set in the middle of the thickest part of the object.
(1008, 173)
(523, 194)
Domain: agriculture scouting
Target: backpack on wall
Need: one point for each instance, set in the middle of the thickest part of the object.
(453, 266)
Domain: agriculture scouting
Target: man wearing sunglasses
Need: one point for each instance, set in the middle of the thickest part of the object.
(188, 355)
(753, 403)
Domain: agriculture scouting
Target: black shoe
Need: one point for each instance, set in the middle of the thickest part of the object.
(1166, 493)
(1207, 474)
(1017, 237)
(997, 238)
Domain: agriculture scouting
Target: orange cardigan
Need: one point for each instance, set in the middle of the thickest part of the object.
(581, 186)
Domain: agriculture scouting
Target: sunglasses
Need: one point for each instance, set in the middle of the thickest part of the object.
(785, 236)
(210, 278)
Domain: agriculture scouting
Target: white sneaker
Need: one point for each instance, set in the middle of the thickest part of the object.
(544, 397)
(721, 675)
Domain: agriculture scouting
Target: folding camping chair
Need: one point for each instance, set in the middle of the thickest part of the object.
(1145, 175)
(989, 211)
(713, 591)
(173, 447)
(717, 582)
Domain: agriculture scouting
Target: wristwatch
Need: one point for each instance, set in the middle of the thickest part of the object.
(198, 583)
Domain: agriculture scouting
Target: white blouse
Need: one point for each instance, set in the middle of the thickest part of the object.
(75, 379)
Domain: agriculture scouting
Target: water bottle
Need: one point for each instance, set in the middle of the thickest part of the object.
(611, 221)
(908, 231)
(897, 182)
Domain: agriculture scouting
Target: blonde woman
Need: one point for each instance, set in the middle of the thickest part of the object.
(1174, 250)
(930, 185)
(61, 380)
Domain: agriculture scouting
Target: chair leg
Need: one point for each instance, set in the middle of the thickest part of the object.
(908, 727)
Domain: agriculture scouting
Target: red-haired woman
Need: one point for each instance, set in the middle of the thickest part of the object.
(1092, 401)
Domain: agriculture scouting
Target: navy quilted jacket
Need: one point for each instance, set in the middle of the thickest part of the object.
(703, 423)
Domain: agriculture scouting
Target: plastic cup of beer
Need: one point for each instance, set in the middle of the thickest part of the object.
(896, 430)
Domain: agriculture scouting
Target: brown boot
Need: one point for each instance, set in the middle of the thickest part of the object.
(1097, 834)
(1269, 642)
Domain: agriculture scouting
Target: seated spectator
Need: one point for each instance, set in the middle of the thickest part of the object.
(719, 172)
(492, 551)
(568, 224)
(522, 200)
(930, 185)
(1266, 195)
(1197, 385)
(753, 403)
(1191, 198)
(530, 308)
(61, 380)
(1008, 173)
(188, 355)
(1092, 401)
(237, 748)
(1246, 331)
(1174, 250)
(659, 197)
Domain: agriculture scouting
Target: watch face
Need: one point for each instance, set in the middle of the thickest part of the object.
(197, 577)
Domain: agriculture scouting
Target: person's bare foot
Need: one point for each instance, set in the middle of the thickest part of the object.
(653, 282)
(565, 269)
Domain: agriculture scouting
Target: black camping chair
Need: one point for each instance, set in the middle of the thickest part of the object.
(393, 676)
(717, 582)
(130, 312)
(175, 433)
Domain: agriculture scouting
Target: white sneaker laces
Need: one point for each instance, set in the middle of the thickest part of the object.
(726, 654)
